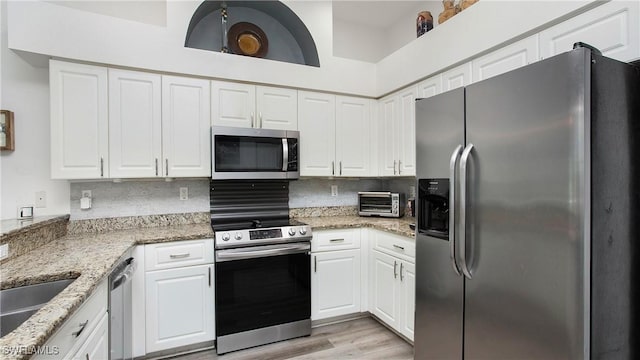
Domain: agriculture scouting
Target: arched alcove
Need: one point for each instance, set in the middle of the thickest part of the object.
(289, 39)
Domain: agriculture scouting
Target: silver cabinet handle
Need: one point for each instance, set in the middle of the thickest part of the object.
(260, 120)
(398, 247)
(209, 276)
(399, 167)
(340, 167)
(156, 167)
(179, 256)
(82, 326)
(101, 166)
(395, 273)
(87, 356)
(452, 206)
(252, 119)
(463, 210)
(333, 168)
(401, 278)
(315, 264)
(166, 167)
(394, 167)
(336, 240)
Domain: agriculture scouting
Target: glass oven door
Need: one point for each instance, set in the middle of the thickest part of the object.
(262, 286)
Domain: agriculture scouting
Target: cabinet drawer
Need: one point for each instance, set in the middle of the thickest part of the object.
(396, 245)
(66, 341)
(341, 239)
(178, 254)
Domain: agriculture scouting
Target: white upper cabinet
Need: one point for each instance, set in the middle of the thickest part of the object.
(79, 121)
(508, 58)
(317, 126)
(277, 108)
(250, 106)
(612, 28)
(335, 135)
(397, 116)
(186, 120)
(233, 104)
(457, 77)
(353, 136)
(429, 87)
(135, 141)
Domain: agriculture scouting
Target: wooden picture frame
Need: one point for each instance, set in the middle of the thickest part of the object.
(6, 127)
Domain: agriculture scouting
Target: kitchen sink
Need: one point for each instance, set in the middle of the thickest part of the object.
(18, 304)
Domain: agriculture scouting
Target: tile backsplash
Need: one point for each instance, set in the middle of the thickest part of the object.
(155, 197)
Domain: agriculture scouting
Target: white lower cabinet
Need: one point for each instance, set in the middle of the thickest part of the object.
(393, 281)
(180, 306)
(179, 294)
(97, 345)
(335, 283)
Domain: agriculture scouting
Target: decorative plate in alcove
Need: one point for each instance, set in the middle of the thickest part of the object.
(248, 39)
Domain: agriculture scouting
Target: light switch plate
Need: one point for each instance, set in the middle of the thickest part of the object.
(4, 251)
(184, 193)
(334, 190)
(412, 191)
(41, 199)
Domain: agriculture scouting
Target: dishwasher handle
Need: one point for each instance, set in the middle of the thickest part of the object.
(127, 267)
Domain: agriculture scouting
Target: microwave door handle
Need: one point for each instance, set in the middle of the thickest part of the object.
(285, 154)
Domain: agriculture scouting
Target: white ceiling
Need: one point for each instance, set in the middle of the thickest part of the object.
(377, 14)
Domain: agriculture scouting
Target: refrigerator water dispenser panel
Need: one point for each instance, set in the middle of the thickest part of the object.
(433, 207)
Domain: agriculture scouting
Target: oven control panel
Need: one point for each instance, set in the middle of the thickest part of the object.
(250, 237)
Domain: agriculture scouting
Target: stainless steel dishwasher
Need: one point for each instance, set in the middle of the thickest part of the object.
(120, 330)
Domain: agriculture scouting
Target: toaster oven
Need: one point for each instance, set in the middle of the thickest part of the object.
(381, 203)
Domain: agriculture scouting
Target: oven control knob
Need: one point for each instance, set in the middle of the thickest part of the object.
(226, 237)
(292, 231)
(302, 231)
(238, 236)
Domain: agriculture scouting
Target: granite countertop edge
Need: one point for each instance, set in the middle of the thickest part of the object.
(89, 258)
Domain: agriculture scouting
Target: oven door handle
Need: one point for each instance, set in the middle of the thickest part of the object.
(258, 252)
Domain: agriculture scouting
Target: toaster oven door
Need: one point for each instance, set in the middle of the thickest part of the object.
(375, 204)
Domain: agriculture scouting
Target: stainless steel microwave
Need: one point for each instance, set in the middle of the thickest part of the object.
(242, 153)
(381, 203)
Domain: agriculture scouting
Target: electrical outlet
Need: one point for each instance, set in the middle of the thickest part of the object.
(41, 199)
(184, 193)
(412, 191)
(334, 190)
(86, 193)
(4, 251)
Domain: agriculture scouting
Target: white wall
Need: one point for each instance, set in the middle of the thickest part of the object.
(405, 30)
(25, 91)
(153, 12)
(355, 41)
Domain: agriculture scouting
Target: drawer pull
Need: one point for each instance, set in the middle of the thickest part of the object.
(398, 247)
(179, 256)
(336, 240)
(82, 326)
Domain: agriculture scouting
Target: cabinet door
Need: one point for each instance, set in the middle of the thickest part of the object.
(233, 104)
(353, 136)
(508, 58)
(457, 77)
(180, 307)
(186, 123)
(407, 299)
(135, 133)
(277, 108)
(388, 135)
(96, 347)
(385, 289)
(612, 28)
(317, 126)
(407, 132)
(430, 87)
(79, 121)
(335, 283)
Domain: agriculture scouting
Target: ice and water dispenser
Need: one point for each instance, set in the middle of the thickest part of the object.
(433, 207)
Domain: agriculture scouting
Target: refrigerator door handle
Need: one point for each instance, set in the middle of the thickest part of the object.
(452, 202)
(463, 210)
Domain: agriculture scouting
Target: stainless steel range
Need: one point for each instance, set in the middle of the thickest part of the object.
(263, 272)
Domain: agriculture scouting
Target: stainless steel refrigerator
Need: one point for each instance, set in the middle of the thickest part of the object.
(528, 212)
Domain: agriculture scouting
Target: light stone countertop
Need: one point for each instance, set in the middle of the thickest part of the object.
(89, 257)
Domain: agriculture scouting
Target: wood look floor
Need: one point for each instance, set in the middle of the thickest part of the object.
(362, 338)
